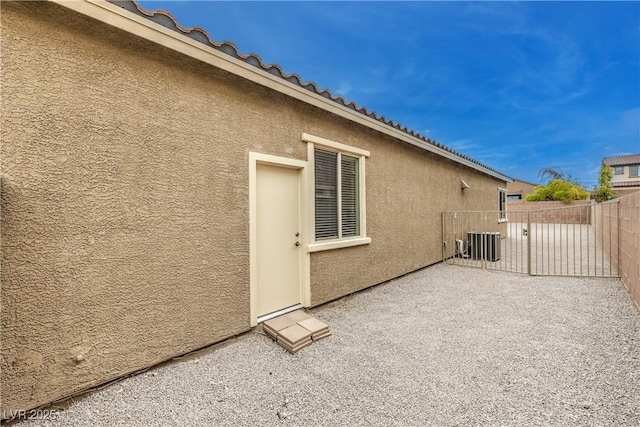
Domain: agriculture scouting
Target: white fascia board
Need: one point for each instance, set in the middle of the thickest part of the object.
(127, 21)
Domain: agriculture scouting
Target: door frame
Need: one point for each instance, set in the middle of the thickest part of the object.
(305, 272)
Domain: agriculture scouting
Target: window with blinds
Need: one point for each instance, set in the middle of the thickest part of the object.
(502, 204)
(326, 171)
(337, 210)
(350, 196)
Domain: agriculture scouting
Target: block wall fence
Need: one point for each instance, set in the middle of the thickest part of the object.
(616, 224)
(620, 220)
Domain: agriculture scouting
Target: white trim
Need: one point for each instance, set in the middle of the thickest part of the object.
(278, 313)
(305, 264)
(339, 193)
(311, 191)
(335, 146)
(127, 21)
(363, 201)
(501, 191)
(339, 242)
(335, 244)
(268, 159)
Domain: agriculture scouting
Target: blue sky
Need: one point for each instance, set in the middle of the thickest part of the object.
(519, 86)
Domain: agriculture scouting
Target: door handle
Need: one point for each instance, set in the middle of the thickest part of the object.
(297, 243)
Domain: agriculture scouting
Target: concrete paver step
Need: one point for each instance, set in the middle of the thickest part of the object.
(296, 330)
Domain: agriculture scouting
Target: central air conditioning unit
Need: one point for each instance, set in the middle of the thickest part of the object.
(484, 245)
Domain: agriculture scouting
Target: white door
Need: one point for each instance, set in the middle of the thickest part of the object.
(278, 231)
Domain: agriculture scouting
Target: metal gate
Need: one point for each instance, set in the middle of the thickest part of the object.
(568, 241)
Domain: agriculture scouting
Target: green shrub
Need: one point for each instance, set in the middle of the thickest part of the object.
(559, 190)
(604, 191)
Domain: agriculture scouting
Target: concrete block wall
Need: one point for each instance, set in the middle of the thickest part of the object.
(629, 247)
(618, 231)
(606, 227)
(576, 212)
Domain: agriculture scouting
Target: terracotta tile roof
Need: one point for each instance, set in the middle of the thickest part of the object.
(199, 34)
(626, 183)
(630, 159)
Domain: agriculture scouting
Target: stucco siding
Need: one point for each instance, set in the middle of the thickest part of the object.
(520, 188)
(407, 190)
(125, 215)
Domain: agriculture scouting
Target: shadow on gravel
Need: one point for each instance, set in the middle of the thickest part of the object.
(445, 345)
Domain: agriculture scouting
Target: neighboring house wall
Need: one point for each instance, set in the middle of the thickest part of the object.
(620, 220)
(553, 212)
(125, 202)
(519, 190)
(626, 173)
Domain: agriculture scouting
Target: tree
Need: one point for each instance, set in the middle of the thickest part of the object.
(560, 188)
(604, 191)
(551, 173)
(556, 173)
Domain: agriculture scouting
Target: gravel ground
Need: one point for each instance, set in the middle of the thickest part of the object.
(447, 345)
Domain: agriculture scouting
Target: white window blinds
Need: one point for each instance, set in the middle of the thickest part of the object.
(326, 194)
(350, 196)
(337, 213)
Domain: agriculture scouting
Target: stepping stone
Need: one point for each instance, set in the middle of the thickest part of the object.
(314, 325)
(296, 330)
(320, 335)
(275, 325)
(294, 348)
(294, 334)
(317, 328)
(298, 315)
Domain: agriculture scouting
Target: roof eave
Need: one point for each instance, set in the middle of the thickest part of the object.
(116, 16)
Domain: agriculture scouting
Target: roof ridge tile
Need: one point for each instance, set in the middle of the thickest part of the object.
(199, 34)
(623, 160)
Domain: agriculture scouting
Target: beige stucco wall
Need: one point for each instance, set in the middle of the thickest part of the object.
(125, 223)
(520, 187)
(407, 190)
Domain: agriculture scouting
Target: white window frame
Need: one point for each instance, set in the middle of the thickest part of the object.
(314, 245)
(618, 170)
(502, 203)
(637, 168)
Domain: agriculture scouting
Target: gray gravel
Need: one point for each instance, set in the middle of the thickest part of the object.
(447, 345)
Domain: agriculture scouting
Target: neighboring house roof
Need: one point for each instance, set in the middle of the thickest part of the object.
(629, 159)
(626, 184)
(200, 35)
